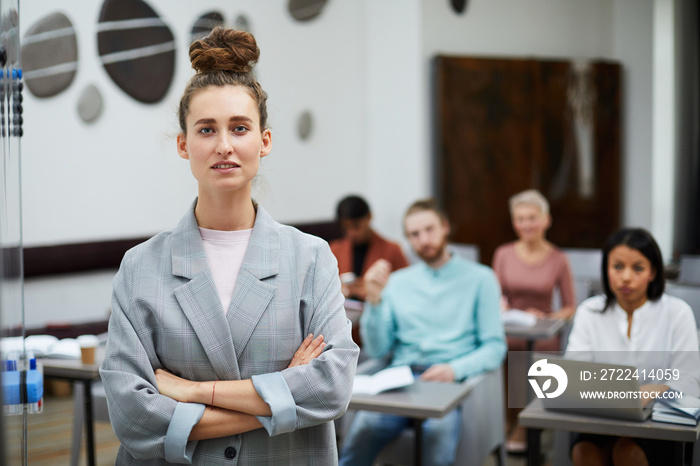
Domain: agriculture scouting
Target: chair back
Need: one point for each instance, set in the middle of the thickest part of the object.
(689, 273)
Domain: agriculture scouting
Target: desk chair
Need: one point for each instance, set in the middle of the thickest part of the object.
(99, 413)
(585, 268)
(466, 251)
(483, 418)
(689, 294)
(689, 273)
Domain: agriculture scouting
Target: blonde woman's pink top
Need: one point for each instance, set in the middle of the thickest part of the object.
(525, 285)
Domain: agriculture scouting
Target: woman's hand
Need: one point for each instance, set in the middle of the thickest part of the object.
(310, 349)
(174, 387)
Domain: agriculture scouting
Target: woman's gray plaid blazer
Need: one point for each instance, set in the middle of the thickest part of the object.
(166, 313)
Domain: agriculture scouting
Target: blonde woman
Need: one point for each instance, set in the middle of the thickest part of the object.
(529, 270)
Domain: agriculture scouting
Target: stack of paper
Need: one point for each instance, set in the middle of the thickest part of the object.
(387, 379)
(42, 346)
(518, 317)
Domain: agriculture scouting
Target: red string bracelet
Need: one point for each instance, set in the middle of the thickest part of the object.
(213, 390)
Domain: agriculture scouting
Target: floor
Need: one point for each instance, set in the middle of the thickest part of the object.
(50, 435)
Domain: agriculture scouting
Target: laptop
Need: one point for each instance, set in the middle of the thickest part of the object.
(613, 391)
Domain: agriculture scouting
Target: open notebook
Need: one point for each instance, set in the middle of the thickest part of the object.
(386, 379)
(685, 410)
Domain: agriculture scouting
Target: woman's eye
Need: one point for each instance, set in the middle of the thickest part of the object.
(240, 129)
(206, 130)
(617, 266)
(639, 269)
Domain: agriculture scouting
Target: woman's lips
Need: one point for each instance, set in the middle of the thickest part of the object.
(624, 290)
(225, 167)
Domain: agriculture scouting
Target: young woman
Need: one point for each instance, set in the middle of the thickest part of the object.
(208, 358)
(529, 270)
(653, 329)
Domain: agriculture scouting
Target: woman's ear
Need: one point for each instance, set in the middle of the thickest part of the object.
(182, 146)
(266, 145)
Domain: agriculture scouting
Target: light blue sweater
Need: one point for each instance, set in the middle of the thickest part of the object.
(446, 315)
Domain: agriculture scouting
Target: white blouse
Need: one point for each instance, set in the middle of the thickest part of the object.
(663, 335)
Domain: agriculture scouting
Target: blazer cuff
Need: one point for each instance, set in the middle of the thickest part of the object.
(273, 389)
(177, 448)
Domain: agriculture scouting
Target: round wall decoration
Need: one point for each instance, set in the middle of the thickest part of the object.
(90, 104)
(205, 23)
(136, 48)
(242, 23)
(459, 6)
(49, 55)
(305, 125)
(305, 10)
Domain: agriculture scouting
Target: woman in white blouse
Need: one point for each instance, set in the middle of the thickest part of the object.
(653, 330)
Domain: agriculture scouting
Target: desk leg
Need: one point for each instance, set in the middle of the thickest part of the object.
(533, 447)
(418, 447)
(688, 451)
(683, 453)
(529, 347)
(89, 425)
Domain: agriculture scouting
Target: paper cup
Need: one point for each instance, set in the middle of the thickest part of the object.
(88, 346)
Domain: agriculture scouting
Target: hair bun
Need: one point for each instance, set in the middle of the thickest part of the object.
(225, 50)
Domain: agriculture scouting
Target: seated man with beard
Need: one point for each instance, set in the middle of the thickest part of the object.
(441, 316)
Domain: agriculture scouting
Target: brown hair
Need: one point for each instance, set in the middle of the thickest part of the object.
(225, 57)
(426, 204)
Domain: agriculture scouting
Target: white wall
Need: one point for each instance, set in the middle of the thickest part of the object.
(633, 43)
(362, 68)
(78, 297)
(398, 168)
(121, 176)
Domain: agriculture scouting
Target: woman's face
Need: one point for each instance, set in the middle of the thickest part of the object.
(529, 222)
(629, 275)
(224, 141)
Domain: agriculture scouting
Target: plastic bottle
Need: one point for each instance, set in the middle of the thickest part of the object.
(10, 388)
(35, 388)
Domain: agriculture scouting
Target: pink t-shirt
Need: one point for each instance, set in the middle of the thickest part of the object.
(525, 285)
(225, 251)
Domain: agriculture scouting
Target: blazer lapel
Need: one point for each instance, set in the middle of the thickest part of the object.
(199, 299)
(252, 295)
(222, 335)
